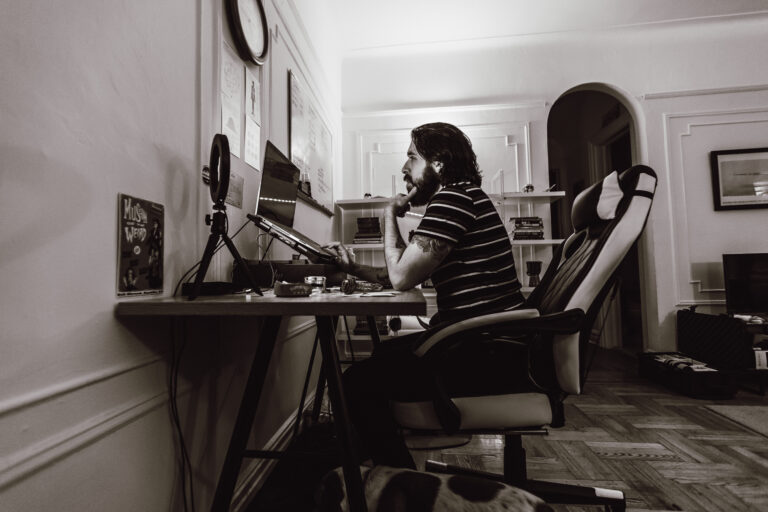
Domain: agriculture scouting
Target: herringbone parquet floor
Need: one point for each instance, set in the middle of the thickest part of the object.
(664, 450)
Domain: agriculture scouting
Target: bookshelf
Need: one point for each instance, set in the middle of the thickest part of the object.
(513, 205)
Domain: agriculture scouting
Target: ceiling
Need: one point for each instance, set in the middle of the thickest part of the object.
(381, 24)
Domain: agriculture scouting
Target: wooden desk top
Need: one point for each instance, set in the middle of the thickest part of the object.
(403, 303)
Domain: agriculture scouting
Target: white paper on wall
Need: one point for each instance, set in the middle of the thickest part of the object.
(252, 142)
(231, 96)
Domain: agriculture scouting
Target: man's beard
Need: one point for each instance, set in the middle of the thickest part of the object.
(426, 186)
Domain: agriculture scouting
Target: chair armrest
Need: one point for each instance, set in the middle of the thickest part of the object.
(517, 322)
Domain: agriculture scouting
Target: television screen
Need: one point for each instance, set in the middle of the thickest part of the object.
(279, 187)
(746, 283)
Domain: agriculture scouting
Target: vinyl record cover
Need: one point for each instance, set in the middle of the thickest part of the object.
(140, 225)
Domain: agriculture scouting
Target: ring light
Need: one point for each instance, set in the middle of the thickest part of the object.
(219, 168)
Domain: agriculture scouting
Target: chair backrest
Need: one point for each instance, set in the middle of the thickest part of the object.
(608, 217)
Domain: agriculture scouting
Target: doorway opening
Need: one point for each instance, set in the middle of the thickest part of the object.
(590, 133)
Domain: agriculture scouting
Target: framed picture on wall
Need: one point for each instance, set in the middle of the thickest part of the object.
(740, 178)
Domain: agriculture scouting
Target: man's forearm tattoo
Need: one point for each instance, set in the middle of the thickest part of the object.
(433, 246)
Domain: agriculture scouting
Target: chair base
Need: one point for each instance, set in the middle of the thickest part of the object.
(551, 492)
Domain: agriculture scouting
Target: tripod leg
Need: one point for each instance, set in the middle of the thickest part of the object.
(241, 262)
(210, 248)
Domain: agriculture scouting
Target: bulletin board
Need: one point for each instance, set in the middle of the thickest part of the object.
(311, 142)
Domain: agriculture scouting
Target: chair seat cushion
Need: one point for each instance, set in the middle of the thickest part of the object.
(514, 410)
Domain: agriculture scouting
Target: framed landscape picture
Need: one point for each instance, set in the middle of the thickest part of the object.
(740, 178)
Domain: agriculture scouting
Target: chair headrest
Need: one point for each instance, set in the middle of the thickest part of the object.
(597, 203)
(600, 201)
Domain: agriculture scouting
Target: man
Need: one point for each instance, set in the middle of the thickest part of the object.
(462, 246)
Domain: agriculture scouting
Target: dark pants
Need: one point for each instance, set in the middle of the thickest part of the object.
(394, 373)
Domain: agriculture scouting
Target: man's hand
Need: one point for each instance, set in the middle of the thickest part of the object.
(401, 203)
(345, 258)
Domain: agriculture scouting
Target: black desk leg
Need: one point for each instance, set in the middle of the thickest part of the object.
(352, 478)
(300, 410)
(374, 331)
(320, 390)
(250, 401)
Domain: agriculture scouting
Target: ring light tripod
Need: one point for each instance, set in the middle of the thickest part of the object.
(219, 172)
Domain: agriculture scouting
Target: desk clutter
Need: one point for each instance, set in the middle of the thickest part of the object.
(266, 273)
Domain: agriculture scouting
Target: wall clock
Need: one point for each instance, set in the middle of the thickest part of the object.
(248, 25)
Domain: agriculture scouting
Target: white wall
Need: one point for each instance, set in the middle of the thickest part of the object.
(653, 68)
(97, 99)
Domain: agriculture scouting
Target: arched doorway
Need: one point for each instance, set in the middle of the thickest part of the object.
(590, 133)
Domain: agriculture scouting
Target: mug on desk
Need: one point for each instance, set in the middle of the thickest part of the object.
(316, 281)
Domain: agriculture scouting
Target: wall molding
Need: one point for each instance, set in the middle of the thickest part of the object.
(703, 92)
(444, 109)
(62, 388)
(46, 451)
(39, 454)
(300, 328)
(69, 386)
(677, 199)
(696, 283)
(512, 134)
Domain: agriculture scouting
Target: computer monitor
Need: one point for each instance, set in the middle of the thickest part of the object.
(746, 283)
(279, 187)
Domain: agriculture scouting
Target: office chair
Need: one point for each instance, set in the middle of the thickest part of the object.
(553, 329)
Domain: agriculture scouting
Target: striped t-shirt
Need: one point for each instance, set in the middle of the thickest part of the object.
(478, 276)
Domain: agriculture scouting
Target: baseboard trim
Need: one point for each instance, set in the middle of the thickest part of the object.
(256, 472)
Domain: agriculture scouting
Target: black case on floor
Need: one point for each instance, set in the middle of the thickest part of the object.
(681, 378)
(718, 340)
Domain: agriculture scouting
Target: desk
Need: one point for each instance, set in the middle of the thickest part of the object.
(324, 307)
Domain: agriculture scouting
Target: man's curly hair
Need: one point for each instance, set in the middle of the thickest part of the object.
(444, 143)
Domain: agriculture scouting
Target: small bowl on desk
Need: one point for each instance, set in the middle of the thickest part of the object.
(283, 289)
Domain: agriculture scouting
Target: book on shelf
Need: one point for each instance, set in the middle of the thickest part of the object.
(527, 236)
(531, 218)
(368, 231)
(527, 221)
(527, 228)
